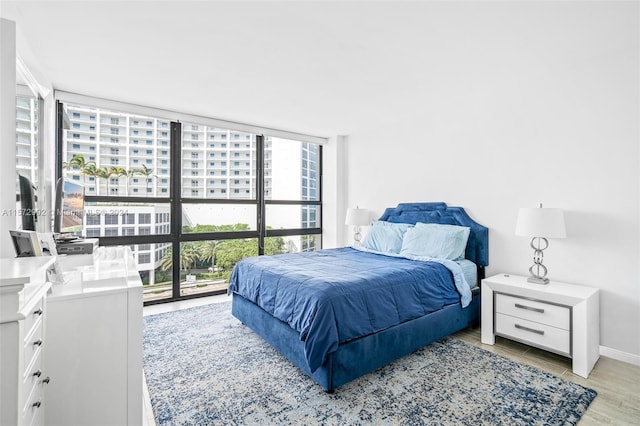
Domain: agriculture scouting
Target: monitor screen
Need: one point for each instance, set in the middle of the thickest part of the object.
(69, 207)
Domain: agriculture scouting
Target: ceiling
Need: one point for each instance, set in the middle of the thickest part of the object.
(319, 68)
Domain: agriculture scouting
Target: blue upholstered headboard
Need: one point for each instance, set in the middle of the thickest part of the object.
(478, 245)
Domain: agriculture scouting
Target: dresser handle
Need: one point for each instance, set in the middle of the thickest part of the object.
(522, 327)
(37, 312)
(37, 404)
(38, 342)
(37, 373)
(47, 380)
(529, 308)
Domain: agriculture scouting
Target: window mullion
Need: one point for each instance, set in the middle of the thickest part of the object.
(260, 192)
(175, 186)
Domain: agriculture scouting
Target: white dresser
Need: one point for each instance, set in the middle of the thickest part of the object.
(23, 374)
(558, 317)
(95, 334)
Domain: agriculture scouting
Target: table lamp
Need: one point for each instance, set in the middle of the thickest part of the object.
(540, 223)
(357, 217)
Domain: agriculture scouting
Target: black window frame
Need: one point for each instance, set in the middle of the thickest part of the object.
(176, 200)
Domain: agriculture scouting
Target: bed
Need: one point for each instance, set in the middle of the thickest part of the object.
(338, 314)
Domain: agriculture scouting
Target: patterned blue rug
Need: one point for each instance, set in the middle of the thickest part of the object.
(204, 367)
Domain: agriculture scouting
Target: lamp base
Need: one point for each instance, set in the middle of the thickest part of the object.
(536, 280)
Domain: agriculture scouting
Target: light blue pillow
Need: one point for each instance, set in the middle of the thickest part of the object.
(385, 237)
(435, 240)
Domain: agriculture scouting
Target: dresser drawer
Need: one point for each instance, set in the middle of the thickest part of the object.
(532, 310)
(32, 316)
(32, 343)
(32, 410)
(33, 376)
(534, 333)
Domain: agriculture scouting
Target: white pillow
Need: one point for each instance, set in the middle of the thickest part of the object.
(435, 240)
(385, 237)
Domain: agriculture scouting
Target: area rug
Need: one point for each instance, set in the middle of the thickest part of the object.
(204, 367)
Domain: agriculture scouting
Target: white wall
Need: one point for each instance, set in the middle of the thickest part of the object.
(487, 105)
(525, 103)
(7, 135)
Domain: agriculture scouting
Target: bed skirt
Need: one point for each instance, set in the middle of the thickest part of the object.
(365, 354)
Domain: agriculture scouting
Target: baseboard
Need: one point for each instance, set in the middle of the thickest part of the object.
(619, 355)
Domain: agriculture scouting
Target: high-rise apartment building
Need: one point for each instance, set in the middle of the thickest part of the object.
(129, 155)
(216, 163)
(309, 182)
(27, 136)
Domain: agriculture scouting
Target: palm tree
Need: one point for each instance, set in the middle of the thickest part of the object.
(111, 172)
(118, 171)
(188, 257)
(130, 174)
(166, 262)
(103, 173)
(207, 251)
(146, 172)
(89, 169)
(77, 161)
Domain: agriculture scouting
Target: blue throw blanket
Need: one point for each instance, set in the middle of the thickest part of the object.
(335, 295)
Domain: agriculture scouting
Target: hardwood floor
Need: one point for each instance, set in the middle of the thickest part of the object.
(617, 383)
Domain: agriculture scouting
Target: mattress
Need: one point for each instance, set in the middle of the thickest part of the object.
(335, 295)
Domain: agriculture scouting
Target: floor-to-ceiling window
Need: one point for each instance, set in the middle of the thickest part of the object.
(28, 107)
(190, 196)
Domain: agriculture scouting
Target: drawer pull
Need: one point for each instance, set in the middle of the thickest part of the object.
(529, 308)
(533, 330)
(47, 380)
(37, 342)
(37, 404)
(37, 373)
(37, 312)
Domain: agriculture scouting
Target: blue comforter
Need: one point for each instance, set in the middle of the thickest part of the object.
(335, 295)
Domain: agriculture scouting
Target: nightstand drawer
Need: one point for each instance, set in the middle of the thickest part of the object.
(531, 310)
(536, 334)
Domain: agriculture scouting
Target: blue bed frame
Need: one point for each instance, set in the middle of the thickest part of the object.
(363, 355)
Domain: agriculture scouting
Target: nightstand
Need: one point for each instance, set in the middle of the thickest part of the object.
(557, 317)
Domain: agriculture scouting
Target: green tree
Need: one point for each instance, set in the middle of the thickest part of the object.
(207, 251)
(89, 169)
(274, 245)
(147, 173)
(130, 174)
(224, 254)
(103, 173)
(188, 257)
(76, 162)
(118, 172)
(231, 252)
(166, 261)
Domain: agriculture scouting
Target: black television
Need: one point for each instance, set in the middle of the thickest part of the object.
(69, 208)
(27, 199)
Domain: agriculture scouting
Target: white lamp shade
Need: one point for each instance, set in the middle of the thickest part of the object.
(357, 217)
(541, 222)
